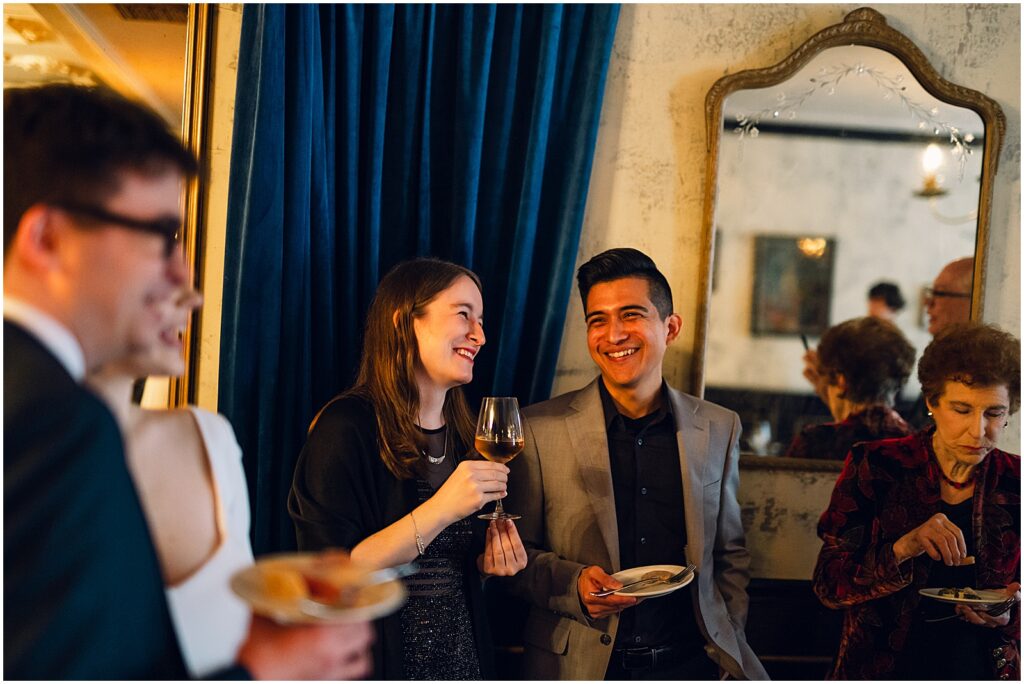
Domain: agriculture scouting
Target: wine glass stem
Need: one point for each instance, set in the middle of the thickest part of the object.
(499, 510)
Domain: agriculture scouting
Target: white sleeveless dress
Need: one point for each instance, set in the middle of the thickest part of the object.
(210, 621)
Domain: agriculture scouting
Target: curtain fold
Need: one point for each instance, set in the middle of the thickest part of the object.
(366, 135)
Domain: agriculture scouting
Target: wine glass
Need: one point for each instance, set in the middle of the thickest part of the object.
(499, 437)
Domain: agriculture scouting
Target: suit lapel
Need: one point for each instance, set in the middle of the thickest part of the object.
(692, 438)
(589, 441)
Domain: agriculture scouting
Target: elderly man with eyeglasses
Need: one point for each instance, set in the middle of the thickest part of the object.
(948, 300)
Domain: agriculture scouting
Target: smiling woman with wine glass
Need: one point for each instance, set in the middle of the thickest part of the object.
(386, 472)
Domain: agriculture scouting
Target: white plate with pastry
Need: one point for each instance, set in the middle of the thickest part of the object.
(311, 588)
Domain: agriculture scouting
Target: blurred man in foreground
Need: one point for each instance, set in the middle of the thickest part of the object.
(92, 184)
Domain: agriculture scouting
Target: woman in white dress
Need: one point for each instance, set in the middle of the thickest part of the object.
(187, 467)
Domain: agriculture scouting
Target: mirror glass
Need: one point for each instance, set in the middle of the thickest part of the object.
(845, 175)
(139, 50)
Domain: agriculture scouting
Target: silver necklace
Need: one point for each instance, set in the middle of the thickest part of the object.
(437, 460)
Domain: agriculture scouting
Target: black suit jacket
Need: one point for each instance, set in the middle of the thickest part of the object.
(83, 594)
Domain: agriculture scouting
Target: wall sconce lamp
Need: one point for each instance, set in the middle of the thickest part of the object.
(931, 161)
(931, 189)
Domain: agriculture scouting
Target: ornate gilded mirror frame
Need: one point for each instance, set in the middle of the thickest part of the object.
(198, 60)
(865, 27)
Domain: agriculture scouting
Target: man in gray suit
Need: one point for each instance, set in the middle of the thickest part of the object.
(630, 472)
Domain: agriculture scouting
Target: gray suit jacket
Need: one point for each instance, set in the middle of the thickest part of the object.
(562, 486)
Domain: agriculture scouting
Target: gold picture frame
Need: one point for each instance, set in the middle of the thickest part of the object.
(864, 27)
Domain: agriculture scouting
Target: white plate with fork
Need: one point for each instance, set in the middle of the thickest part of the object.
(655, 588)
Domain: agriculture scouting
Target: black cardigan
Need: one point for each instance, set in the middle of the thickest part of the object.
(342, 493)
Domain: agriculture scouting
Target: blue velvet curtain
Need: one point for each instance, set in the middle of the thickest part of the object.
(368, 134)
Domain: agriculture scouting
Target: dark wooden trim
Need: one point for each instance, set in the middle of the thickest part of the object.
(823, 465)
(842, 132)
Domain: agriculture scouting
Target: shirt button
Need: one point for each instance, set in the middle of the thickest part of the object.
(643, 540)
(636, 640)
(640, 441)
(606, 639)
(643, 490)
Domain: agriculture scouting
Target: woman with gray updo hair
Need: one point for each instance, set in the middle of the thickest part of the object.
(938, 511)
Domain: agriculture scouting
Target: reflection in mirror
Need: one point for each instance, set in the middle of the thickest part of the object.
(136, 49)
(154, 53)
(846, 175)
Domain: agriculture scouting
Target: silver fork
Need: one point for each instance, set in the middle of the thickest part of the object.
(995, 611)
(643, 582)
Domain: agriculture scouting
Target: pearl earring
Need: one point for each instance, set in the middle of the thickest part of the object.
(929, 414)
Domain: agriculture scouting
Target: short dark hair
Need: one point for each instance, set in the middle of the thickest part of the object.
(70, 143)
(976, 354)
(890, 293)
(873, 356)
(625, 262)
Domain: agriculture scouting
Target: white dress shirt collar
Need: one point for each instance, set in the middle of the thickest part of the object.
(51, 334)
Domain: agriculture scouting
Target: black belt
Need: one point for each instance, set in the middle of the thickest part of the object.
(655, 658)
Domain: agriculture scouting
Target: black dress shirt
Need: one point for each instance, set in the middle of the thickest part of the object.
(648, 487)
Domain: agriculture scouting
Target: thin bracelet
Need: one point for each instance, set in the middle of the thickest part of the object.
(419, 540)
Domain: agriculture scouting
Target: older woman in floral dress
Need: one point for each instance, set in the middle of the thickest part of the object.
(910, 513)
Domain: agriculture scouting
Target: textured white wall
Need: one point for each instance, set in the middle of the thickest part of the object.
(780, 508)
(646, 190)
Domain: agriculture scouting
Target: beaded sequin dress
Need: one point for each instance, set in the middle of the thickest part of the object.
(437, 633)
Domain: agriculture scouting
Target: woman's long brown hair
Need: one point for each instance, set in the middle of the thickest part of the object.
(387, 369)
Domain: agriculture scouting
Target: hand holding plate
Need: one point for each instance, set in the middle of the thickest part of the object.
(594, 579)
(991, 618)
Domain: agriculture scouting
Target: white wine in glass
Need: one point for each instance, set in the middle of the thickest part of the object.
(499, 438)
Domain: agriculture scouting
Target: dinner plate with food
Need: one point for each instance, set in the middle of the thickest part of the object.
(302, 588)
(965, 595)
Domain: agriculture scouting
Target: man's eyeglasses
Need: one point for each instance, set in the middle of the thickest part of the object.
(167, 228)
(930, 293)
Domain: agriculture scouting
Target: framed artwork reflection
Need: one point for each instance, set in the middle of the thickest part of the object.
(792, 285)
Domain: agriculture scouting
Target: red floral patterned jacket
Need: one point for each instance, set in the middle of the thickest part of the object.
(834, 440)
(886, 489)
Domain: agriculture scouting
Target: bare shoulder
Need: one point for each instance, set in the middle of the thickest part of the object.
(167, 439)
(178, 423)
